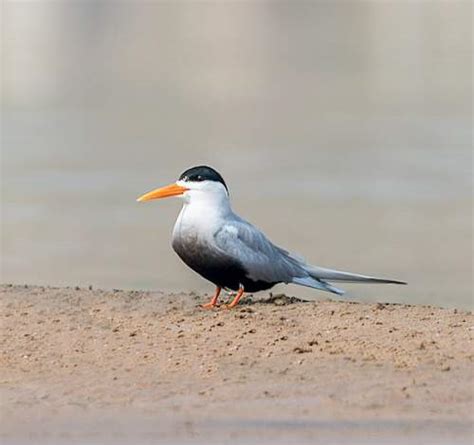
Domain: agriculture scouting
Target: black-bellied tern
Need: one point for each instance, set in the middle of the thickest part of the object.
(229, 251)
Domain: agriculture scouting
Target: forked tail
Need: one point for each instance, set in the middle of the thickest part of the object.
(340, 276)
(318, 277)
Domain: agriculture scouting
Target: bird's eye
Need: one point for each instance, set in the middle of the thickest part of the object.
(199, 178)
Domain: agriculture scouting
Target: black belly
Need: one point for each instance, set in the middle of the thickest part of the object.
(222, 270)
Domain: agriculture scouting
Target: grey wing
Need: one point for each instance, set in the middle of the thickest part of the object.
(262, 260)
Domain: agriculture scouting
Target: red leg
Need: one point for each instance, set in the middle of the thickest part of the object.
(213, 302)
(235, 301)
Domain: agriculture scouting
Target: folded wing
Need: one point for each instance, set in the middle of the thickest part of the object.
(264, 261)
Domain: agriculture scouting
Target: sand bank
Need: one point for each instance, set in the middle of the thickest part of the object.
(81, 365)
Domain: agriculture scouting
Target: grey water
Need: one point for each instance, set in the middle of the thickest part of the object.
(343, 130)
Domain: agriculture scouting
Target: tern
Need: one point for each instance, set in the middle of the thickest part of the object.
(232, 253)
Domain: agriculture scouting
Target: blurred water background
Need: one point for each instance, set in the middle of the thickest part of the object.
(343, 129)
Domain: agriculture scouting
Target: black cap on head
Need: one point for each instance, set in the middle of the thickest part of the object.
(202, 173)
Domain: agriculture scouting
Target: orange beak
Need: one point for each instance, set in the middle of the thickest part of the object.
(163, 192)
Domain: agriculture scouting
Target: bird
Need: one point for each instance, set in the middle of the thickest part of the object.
(230, 252)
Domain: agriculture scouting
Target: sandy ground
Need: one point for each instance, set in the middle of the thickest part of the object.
(93, 366)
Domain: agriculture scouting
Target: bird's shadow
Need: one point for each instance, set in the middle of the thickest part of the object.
(273, 299)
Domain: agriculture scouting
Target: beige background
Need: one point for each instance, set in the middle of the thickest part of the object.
(343, 130)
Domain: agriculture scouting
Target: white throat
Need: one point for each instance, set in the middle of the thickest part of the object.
(205, 205)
